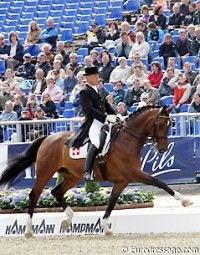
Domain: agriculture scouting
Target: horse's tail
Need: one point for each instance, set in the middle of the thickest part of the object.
(20, 162)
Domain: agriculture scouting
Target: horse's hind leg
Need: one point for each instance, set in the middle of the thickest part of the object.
(59, 191)
(150, 180)
(116, 191)
(33, 198)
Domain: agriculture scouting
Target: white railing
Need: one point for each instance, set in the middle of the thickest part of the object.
(183, 124)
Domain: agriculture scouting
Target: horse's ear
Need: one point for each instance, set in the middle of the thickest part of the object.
(170, 109)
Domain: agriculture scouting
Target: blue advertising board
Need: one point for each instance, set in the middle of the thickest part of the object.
(174, 166)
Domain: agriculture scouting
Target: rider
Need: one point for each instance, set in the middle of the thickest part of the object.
(97, 111)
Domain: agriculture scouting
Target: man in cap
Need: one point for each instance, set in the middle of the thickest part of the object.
(97, 111)
(27, 70)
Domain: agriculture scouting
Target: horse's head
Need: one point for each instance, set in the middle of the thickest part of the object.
(158, 130)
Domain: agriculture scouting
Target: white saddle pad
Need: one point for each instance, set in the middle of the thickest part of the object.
(81, 152)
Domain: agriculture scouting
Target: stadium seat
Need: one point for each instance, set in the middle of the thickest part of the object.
(117, 3)
(160, 60)
(66, 35)
(184, 107)
(133, 108)
(68, 105)
(3, 11)
(57, 7)
(132, 6)
(167, 100)
(102, 10)
(69, 113)
(100, 19)
(80, 59)
(103, 4)
(83, 51)
(28, 15)
(34, 50)
(116, 13)
(82, 28)
(2, 66)
(108, 86)
(178, 62)
(191, 59)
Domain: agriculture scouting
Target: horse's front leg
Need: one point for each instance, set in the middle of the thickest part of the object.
(116, 191)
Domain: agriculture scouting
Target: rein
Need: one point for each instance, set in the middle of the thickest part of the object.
(154, 137)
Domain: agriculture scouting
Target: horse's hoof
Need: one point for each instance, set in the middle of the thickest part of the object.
(66, 224)
(186, 202)
(108, 233)
(28, 235)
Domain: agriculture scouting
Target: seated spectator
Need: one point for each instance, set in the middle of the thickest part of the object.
(140, 46)
(137, 61)
(39, 84)
(164, 88)
(46, 49)
(123, 48)
(27, 70)
(61, 50)
(195, 43)
(126, 28)
(39, 129)
(95, 37)
(25, 128)
(158, 17)
(191, 32)
(183, 44)
(32, 104)
(155, 35)
(33, 34)
(176, 19)
(195, 20)
(121, 72)
(195, 84)
(59, 57)
(189, 17)
(15, 51)
(48, 106)
(57, 67)
(156, 74)
(3, 48)
(53, 90)
(167, 48)
(132, 95)
(7, 115)
(19, 91)
(94, 56)
(182, 90)
(80, 83)
(138, 74)
(76, 67)
(17, 105)
(49, 34)
(42, 63)
(112, 36)
(69, 82)
(184, 7)
(59, 81)
(5, 94)
(110, 99)
(88, 61)
(145, 14)
(106, 68)
(194, 106)
(118, 92)
(141, 27)
(153, 94)
(187, 68)
(122, 110)
(171, 63)
(10, 78)
(102, 90)
(144, 100)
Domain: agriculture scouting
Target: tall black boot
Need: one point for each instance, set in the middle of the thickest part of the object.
(89, 161)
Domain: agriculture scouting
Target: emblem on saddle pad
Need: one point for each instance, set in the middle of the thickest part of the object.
(81, 152)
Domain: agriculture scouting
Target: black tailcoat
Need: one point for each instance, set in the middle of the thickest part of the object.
(94, 107)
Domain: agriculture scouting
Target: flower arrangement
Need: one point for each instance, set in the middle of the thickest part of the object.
(19, 199)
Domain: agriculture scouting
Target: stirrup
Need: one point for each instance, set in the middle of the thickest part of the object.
(88, 177)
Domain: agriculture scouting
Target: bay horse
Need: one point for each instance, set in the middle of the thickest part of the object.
(123, 163)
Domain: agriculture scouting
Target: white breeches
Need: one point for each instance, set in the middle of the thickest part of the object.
(94, 133)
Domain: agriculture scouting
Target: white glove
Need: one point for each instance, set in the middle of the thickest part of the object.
(121, 118)
(111, 118)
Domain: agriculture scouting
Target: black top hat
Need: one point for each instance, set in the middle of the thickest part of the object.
(91, 70)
